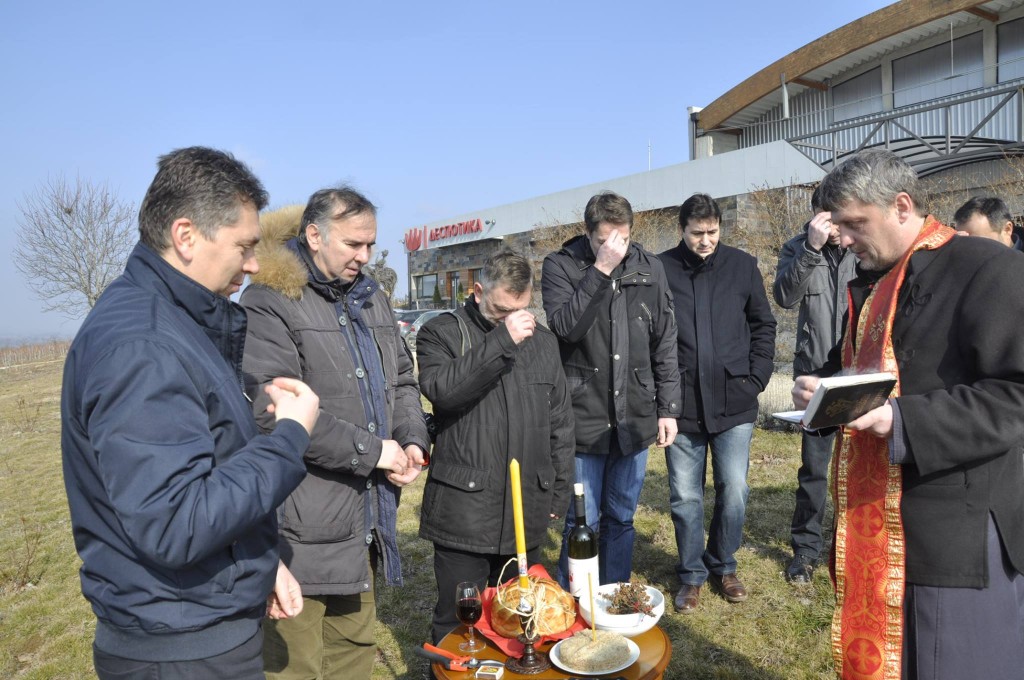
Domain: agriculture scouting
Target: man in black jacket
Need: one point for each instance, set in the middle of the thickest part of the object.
(498, 392)
(608, 302)
(927, 487)
(726, 352)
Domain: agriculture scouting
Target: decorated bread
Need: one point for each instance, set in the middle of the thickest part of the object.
(554, 609)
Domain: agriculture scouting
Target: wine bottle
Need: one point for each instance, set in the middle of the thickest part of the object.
(582, 551)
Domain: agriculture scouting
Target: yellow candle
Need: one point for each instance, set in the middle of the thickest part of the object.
(517, 518)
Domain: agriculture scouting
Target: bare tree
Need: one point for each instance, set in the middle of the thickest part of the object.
(772, 217)
(73, 241)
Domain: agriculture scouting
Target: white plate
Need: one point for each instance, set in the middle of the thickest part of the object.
(634, 654)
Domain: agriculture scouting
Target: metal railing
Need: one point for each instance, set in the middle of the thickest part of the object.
(935, 143)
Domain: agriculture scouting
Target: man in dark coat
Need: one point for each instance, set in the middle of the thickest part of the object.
(493, 377)
(929, 544)
(171, 487)
(812, 272)
(314, 315)
(608, 302)
(988, 217)
(726, 348)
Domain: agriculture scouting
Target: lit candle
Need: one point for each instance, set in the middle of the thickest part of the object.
(517, 517)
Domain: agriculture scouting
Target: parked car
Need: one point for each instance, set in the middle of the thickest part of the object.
(410, 336)
(405, 317)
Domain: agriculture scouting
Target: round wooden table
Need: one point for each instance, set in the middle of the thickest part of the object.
(655, 653)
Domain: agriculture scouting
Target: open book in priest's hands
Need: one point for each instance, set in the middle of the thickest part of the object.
(841, 399)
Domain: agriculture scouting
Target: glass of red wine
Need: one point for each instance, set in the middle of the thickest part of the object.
(469, 608)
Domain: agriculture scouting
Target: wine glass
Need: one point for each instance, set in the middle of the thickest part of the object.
(469, 608)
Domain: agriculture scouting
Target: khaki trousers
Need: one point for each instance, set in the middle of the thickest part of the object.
(333, 637)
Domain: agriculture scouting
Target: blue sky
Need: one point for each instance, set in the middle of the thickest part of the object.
(432, 109)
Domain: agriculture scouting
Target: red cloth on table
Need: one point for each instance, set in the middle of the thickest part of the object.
(513, 647)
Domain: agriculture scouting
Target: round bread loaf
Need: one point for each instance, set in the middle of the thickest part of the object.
(555, 608)
(582, 652)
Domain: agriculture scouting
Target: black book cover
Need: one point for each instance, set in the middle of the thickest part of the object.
(839, 400)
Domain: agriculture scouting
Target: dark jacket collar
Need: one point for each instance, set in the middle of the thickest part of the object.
(694, 262)
(476, 316)
(222, 320)
(335, 289)
(208, 309)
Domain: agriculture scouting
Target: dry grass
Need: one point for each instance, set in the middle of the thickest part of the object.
(54, 350)
(46, 626)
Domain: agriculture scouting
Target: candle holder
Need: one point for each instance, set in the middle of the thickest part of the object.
(530, 663)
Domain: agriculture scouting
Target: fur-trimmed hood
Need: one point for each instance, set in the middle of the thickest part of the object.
(280, 268)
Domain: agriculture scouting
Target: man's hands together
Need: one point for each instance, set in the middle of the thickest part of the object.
(404, 465)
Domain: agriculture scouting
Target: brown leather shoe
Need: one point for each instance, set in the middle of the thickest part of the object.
(687, 598)
(730, 586)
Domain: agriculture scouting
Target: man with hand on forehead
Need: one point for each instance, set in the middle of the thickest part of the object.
(607, 300)
(493, 377)
(812, 272)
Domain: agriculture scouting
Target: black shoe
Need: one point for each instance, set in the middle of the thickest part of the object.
(800, 570)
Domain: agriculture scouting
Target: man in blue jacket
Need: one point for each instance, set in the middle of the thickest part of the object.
(726, 349)
(172, 490)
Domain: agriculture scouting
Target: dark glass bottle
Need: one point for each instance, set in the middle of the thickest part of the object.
(583, 568)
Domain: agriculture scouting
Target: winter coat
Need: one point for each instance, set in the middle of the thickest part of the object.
(496, 402)
(726, 336)
(818, 284)
(956, 337)
(172, 489)
(344, 343)
(616, 335)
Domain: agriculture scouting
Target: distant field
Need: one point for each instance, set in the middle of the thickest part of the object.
(46, 626)
(34, 353)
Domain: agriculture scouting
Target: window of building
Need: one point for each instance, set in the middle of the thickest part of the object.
(858, 96)
(474, 276)
(425, 285)
(1010, 40)
(928, 74)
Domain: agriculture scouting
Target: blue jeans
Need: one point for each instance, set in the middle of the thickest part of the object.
(687, 469)
(611, 487)
(811, 491)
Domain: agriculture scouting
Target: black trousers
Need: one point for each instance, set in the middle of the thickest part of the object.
(451, 567)
(244, 662)
(811, 492)
(960, 633)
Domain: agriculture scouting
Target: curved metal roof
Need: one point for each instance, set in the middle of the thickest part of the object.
(860, 41)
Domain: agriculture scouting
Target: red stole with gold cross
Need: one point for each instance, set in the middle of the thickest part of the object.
(868, 562)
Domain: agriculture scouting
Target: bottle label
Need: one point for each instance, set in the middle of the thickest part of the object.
(578, 571)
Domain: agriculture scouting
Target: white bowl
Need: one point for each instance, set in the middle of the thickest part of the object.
(629, 625)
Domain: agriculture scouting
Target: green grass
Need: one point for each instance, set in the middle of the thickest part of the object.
(46, 627)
